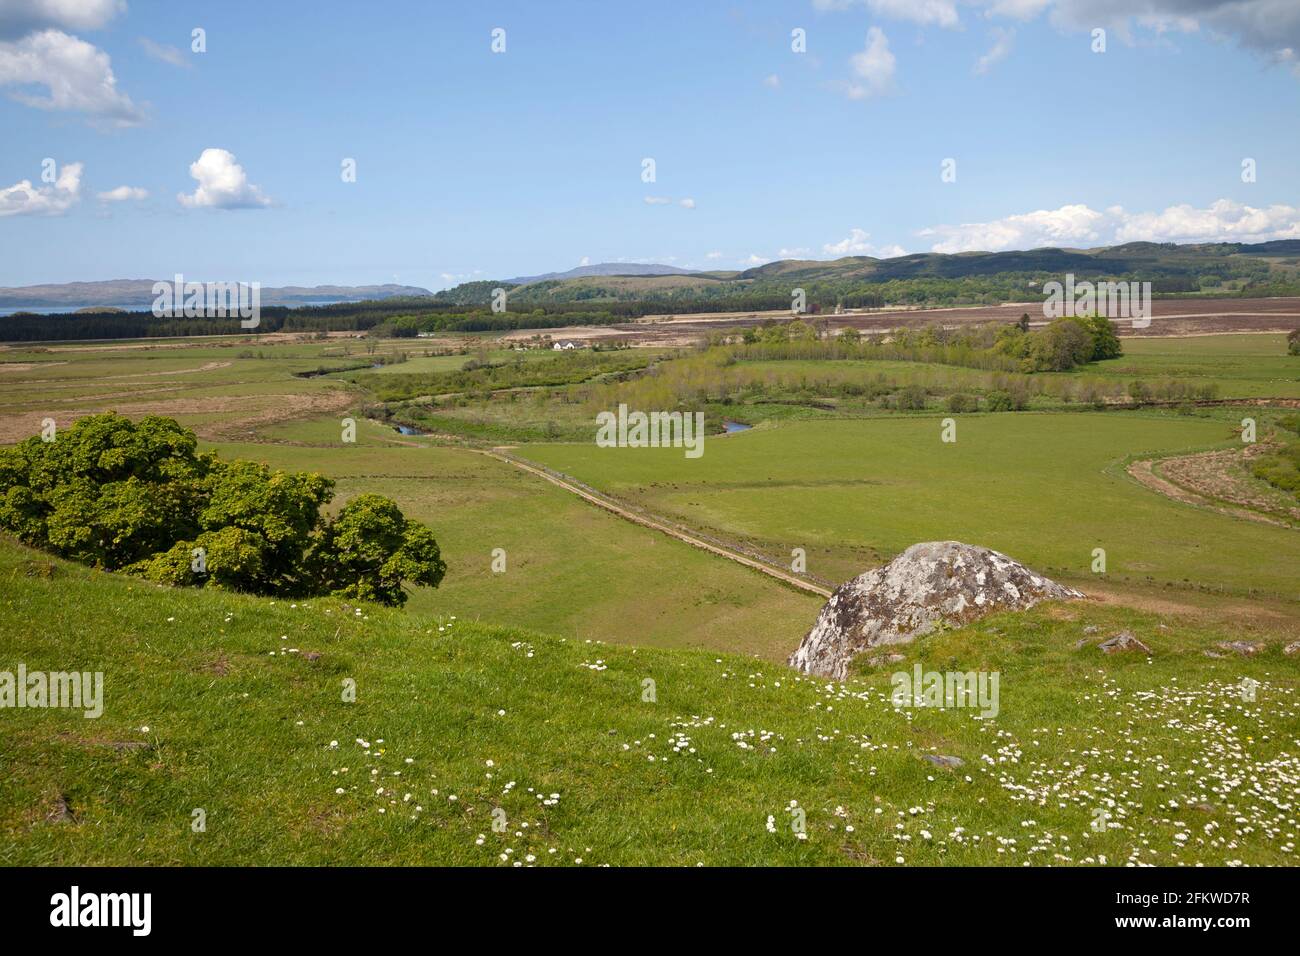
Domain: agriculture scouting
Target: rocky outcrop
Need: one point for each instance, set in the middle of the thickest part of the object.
(938, 582)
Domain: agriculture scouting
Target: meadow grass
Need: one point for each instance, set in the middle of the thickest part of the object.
(234, 705)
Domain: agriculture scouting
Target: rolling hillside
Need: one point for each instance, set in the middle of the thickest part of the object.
(231, 711)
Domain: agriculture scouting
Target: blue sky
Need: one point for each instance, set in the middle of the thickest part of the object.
(473, 164)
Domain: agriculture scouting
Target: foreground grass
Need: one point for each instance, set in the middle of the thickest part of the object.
(232, 705)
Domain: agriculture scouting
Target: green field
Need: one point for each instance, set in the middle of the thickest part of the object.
(1044, 488)
(620, 582)
(1243, 366)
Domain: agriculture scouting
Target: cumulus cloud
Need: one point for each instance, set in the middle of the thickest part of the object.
(873, 67)
(856, 244)
(1002, 42)
(77, 76)
(21, 16)
(223, 184)
(24, 199)
(123, 194)
(687, 203)
(1078, 225)
(167, 54)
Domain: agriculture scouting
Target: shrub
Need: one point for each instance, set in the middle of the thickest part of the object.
(911, 397)
(139, 497)
(962, 403)
(999, 401)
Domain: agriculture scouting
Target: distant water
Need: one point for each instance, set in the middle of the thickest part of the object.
(57, 309)
(736, 427)
(146, 306)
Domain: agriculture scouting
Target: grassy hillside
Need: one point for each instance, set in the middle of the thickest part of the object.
(232, 705)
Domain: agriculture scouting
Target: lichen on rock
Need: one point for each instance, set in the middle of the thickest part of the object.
(928, 585)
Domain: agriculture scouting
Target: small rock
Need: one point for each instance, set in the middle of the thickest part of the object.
(1091, 629)
(1214, 654)
(941, 761)
(1291, 648)
(62, 812)
(1081, 643)
(312, 655)
(1123, 641)
(1244, 648)
(879, 659)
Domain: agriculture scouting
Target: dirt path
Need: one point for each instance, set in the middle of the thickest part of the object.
(661, 526)
(1145, 474)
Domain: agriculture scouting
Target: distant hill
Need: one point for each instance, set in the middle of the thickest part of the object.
(605, 269)
(136, 294)
(1172, 267)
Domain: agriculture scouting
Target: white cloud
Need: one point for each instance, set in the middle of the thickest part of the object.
(1068, 225)
(856, 244)
(1018, 9)
(686, 202)
(223, 184)
(925, 12)
(78, 77)
(24, 199)
(20, 16)
(585, 261)
(123, 193)
(1223, 220)
(713, 255)
(1002, 43)
(1078, 225)
(873, 67)
(772, 81)
(165, 53)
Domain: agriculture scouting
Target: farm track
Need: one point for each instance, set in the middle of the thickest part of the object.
(654, 523)
(1218, 495)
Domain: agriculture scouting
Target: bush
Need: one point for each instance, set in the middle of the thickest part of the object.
(139, 497)
(999, 401)
(962, 403)
(1293, 342)
(911, 397)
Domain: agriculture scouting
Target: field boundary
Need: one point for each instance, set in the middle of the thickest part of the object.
(663, 525)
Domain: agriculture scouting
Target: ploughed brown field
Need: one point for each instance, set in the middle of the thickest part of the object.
(1171, 317)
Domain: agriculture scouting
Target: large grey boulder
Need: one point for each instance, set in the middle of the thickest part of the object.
(929, 584)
